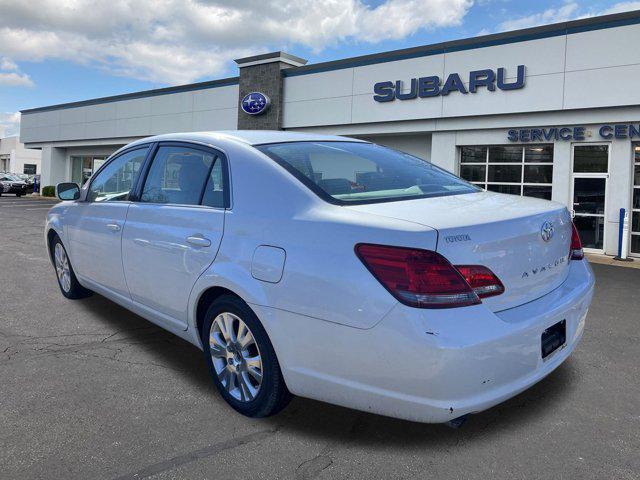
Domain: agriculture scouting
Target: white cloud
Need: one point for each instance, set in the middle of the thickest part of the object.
(9, 123)
(571, 10)
(13, 79)
(551, 15)
(176, 41)
(11, 76)
(6, 64)
(621, 7)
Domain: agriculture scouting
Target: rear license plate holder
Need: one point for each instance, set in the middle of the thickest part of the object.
(553, 338)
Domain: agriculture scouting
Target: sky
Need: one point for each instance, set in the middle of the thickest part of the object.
(57, 51)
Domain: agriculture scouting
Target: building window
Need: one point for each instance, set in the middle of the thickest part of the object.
(518, 170)
(82, 168)
(29, 169)
(635, 207)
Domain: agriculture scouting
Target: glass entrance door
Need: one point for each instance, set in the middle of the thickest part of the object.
(589, 193)
(588, 207)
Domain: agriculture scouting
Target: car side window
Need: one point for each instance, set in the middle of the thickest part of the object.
(115, 181)
(214, 191)
(178, 175)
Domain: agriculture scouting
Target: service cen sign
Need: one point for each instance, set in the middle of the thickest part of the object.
(607, 132)
(425, 87)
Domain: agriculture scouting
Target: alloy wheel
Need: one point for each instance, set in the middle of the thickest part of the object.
(62, 267)
(236, 356)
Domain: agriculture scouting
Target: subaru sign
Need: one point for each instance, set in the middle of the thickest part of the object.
(255, 103)
(425, 87)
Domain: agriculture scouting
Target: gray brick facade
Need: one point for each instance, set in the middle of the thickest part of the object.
(263, 73)
(264, 78)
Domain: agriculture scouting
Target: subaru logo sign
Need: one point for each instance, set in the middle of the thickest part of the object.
(255, 103)
(547, 231)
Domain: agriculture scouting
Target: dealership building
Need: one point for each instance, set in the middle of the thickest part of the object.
(551, 112)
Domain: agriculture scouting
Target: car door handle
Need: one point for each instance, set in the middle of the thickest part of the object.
(113, 226)
(198, 241)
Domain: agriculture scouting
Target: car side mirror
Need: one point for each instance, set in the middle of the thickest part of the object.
(68, 191)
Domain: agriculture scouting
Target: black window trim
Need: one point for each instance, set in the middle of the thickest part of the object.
(306, 181)
(136, 193)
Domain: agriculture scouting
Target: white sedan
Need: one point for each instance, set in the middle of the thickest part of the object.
(329, 268)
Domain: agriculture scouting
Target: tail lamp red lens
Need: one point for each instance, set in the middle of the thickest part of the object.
(423, 278)
(575, 252)
(482, 280)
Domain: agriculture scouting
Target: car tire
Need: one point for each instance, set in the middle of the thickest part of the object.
(67, 281)
(234, 368)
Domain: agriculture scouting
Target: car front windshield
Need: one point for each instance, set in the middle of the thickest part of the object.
(353, 172)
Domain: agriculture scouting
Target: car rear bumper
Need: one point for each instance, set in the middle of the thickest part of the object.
(429, 365)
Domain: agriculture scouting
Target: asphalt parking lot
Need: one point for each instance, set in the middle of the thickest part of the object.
(89, 390)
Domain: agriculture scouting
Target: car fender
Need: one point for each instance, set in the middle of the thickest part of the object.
(229, 275)
(54, 222)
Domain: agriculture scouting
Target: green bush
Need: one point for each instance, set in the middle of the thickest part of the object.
(49, 191)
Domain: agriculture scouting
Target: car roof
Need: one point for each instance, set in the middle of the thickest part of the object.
(248, 137)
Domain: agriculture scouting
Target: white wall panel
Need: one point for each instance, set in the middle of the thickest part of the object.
(172, 103)
(99, 113)
(219, 119)
(105, 129)
(366, 110)
(337, 83)
(603, 48)
(137, 107)
(45, 119)
(73, 115)
(28, 121)
(318, 112)
(73, 131)
(444, 152)
(214, 98)
(133, 127)
(540, 56)
(604, 87)
(542, 92)
(171, 123)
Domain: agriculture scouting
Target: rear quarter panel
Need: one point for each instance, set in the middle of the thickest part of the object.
(323, 278)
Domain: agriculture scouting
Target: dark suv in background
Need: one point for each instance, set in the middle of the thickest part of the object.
(12, 184)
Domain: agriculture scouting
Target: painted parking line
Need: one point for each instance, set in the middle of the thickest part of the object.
(28, 206)
(28, 202)
(15, 200)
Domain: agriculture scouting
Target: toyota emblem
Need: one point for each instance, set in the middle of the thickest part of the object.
(547, 231)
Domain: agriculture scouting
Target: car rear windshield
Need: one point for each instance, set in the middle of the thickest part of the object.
(352, 172)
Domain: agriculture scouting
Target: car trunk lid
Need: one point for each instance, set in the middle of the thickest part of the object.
(501, 232)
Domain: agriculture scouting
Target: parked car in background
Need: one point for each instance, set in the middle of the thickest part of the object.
(13, 184)
(330, 268)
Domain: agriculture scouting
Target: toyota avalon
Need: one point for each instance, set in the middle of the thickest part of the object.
(329, 268)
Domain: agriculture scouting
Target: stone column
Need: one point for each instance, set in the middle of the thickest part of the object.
(263, 73)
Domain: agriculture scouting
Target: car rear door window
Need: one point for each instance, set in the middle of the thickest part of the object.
(214, 194)
(178, 176)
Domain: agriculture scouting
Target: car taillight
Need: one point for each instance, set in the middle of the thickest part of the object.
(418, 278)
(482, 280)
(575, 252)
